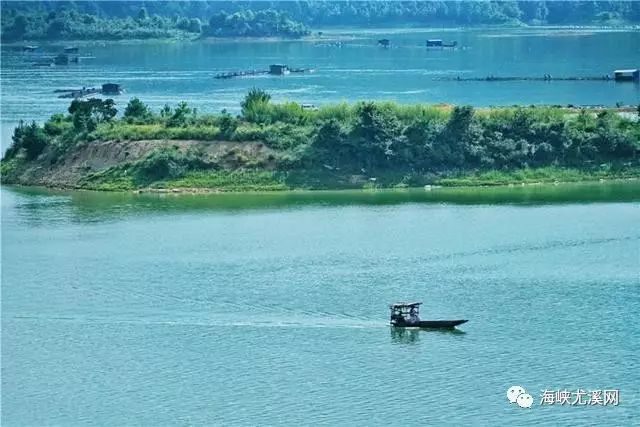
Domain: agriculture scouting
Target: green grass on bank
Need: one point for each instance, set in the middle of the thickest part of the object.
(238, 180)
(139, 132)
(119, 179)
(539, 175)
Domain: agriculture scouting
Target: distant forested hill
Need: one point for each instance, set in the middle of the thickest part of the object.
(153, 19)
(317, 12)
(75, 22)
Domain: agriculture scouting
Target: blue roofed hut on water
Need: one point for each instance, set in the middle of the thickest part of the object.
(629, 75)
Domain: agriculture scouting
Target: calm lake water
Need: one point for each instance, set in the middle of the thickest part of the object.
(160, 73)
(269, 309)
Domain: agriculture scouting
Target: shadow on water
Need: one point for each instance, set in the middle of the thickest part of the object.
(89, 206)
(412, 335)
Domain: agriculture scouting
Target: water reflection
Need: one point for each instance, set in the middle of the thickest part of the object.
(36, 205)
(412, 335)
(404, 335)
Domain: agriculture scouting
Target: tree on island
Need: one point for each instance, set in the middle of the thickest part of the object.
(143, 14)
(255, 105)
(31, 138)
(87, 114)
(329, 144)
(136, 111)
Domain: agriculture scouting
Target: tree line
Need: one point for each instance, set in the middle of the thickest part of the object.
(317, 12)
(71, 24)
(162, 19)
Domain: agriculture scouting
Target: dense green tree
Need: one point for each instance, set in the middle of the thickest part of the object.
(182, 23)
(254, 105)
(422, 140)
(87, 114)
(329, 144)
(228, 125)
(456, 137)
(57, 28)
(195, 26)
(217, 21)
(166, 111)
(57, 125)
(19, 27)
(261, 23)
(180, 115)
(143, 14)
(31, 138)
(377, 133)
(136, 111)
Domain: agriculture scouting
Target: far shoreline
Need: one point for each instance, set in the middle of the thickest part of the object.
(331, 34)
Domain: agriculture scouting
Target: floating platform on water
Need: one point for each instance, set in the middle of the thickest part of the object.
(106, 89)
(61, 59)
(547, 78)
(440, 44)
(248, 73)
(78, 93)
(275, 69)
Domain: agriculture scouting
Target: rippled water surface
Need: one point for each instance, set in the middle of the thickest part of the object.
(160, 73)
(271, 309)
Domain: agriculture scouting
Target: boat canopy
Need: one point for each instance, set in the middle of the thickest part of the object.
(399, 305)
(404, 309)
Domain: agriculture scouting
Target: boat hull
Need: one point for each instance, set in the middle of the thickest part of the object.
(431, 324)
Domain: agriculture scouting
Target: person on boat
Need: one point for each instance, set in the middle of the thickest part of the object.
(397, 317)
(413, 316)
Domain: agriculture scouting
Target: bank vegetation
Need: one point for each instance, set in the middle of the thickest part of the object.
(284, 145)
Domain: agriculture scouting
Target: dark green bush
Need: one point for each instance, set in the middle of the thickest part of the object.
(30, 138)
(137, 112)
(167, 163)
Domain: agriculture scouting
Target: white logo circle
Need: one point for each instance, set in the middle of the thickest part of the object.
(524, 400)
(514, 392)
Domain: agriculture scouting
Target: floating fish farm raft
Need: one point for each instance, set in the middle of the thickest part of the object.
(106, 89)
(275, 69)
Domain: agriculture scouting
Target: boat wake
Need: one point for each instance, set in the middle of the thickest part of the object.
(214, 322)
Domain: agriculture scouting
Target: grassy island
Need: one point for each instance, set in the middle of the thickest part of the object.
(280, 146)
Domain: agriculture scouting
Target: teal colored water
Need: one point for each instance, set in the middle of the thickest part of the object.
(271, 309)
(160, 73)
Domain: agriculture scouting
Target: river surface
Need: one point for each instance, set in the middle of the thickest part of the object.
(407, 72)
(271, 309)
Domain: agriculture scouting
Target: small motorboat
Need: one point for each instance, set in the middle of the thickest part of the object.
(407, 315)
